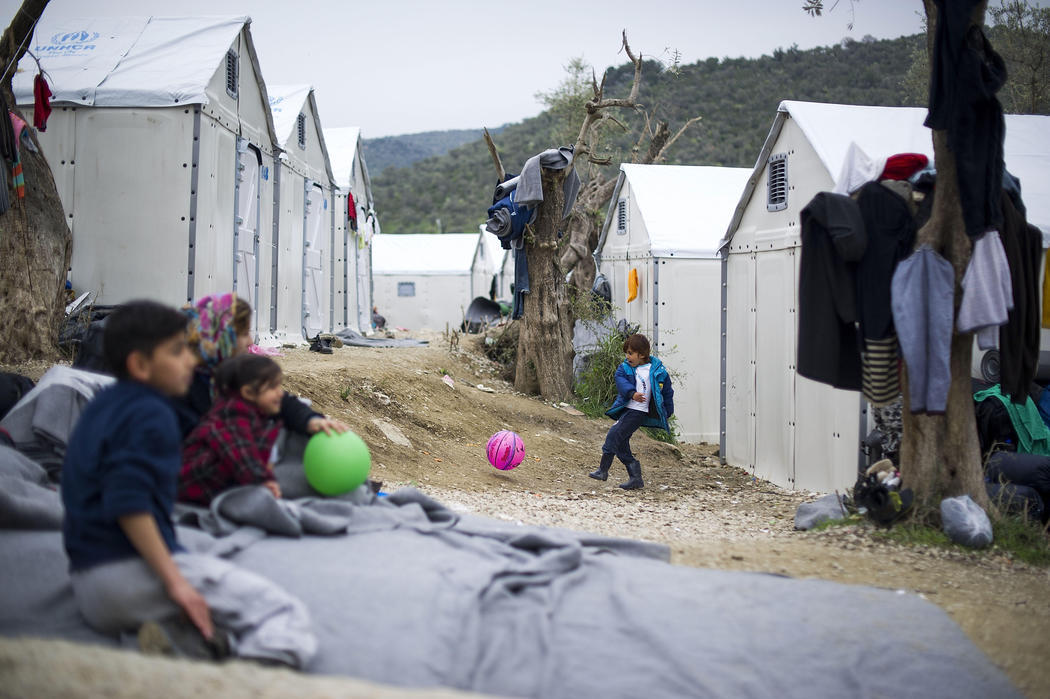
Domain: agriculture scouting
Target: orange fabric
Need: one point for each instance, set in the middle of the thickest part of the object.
(632, 285)
(1046, 292)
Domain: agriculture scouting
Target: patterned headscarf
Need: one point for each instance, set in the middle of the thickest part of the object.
(210, 330)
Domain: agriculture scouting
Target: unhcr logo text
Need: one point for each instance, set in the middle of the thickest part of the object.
(69, 43)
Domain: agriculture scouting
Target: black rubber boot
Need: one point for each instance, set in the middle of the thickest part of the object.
(634, 470)
(603, 468)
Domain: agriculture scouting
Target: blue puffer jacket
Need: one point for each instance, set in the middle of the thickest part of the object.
(661, 404)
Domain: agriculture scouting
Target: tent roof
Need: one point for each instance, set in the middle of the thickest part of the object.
(884, 131)
(130, 61)
(424, 253)
(286, 103)
(686, 208)
(493, 250)
(342, 142)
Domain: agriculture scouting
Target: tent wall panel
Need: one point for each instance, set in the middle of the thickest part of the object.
(131, 242)
(741, 322)
(213, 253)
(290, 277)
(774, 378)
(688, 341)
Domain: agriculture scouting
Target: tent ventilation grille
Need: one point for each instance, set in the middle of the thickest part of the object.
(621, 217)
(231, 73)
(301, 126)
(777, 183)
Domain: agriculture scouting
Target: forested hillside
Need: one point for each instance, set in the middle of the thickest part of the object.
(736, 97)
(403, 151)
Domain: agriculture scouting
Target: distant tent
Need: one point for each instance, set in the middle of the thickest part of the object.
(662, 229)
(308, 273)
(427, 280)
(778, 425)
(351, 174)
(163, 150)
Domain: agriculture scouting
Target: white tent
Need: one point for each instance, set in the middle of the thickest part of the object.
(665, 223)
(163, 150)
(505, 276)
(351, 174)
(780, 426)
(425, 280)
(486, 269)
(308, 271)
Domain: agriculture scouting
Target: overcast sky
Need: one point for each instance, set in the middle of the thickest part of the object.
(404, 66)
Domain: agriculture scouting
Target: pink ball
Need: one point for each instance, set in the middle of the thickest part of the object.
(505, 450)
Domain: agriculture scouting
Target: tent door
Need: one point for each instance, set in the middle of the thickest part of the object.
(246, 224)
(315, 241)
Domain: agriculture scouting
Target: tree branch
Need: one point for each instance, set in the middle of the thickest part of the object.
(660, 155)
(14, 42)
(501, 173)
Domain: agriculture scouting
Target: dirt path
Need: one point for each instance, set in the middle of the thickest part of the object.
(424, 433)
(710, 515)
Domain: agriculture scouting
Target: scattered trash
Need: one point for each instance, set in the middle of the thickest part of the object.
(565, 407)
(265, 351)
(810, 514)
(486, 389)
(449, 382)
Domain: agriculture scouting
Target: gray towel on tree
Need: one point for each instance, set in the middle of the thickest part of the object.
(530, 186)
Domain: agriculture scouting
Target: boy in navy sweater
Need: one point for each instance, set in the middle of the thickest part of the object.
(118, 487)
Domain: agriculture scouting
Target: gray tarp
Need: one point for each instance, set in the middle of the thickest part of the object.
(407, 599)
(356, 339)
(417, 595)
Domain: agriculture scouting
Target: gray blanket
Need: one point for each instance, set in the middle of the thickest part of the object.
(356, 339)
(41, 422)
(416, 595)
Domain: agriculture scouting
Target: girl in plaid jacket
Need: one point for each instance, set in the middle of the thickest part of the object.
(233, 442)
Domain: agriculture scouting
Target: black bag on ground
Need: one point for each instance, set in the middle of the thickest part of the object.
(12, 388)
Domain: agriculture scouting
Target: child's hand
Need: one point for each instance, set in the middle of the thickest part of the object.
(186, 596)
(274, 488)
(327, 425)
(640, 397)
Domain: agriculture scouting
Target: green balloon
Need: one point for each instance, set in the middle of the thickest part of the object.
(336, 464)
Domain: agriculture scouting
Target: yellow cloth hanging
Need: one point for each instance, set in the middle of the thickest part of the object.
(1046, 292)
(632, 285)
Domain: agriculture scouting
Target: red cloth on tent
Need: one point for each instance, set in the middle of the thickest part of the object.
(41, 102)
(903, 165)
(351, 211)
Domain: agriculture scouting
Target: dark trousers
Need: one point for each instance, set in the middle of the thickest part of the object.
(618, 441)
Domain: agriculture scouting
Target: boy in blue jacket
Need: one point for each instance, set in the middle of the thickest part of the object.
(127, 568)
(643, 397)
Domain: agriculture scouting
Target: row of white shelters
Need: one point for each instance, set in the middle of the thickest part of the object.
(780, 426)
(311, 232)
(427, 281)
(351, 175)
(181, 176)
(664, 225)
(163, 150)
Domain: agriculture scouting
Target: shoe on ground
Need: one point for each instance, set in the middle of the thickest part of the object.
(178, 637)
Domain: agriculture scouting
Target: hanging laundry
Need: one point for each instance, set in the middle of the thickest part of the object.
(505, 187)
(923, 290)
(521, 278)
(41, 102)
(18, 179)
(507, 220)
(1019, 338)
(632, 285)
(530, 187)
(987, 291)
(903, 165)
(857, 170)
(966, 72)
(351, 211)
(890, 229)
(833, 239)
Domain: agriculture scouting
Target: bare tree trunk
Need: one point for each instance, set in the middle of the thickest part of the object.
(545, 343)
(584, 230)
(35, 242)
(940, 454)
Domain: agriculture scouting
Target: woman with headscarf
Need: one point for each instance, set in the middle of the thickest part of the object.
(220, 328)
